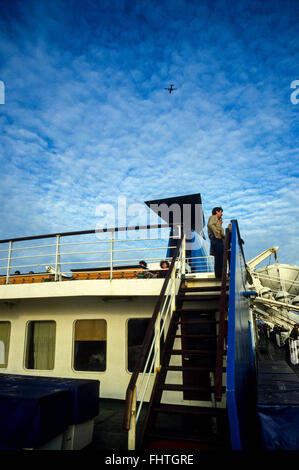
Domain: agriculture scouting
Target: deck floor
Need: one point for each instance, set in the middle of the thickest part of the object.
(268, 351)
(108, 431)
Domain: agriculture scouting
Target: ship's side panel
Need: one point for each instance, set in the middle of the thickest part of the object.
(240, 372)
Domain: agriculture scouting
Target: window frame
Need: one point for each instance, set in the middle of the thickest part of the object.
(127, 343)
(6, 354)
(27, 337)
(80, 371)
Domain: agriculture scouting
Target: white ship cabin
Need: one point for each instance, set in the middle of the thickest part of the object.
(78, 304)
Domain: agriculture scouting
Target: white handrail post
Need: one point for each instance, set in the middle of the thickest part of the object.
(157, 343)
(132, 429)
(57, 261)
(173, 288)
(2, 353)
(179, 234)
(183, 254)
(111, 256)
(8, 261)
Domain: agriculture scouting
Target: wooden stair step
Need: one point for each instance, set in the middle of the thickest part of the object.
(196, 322)
(211, 336)
(201, 288)
(188, 388)
(199, 315)
(179, 437)
(198, 368)
(193, 410)
(206, 296)
(185, 388)
(193, 352)
(199, 309)
(196, 352)
(213, 291)
(196, 298)
(198, 293)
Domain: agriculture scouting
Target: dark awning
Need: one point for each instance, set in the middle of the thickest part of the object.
(184, 210)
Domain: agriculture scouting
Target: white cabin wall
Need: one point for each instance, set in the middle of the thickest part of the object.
(113, 381)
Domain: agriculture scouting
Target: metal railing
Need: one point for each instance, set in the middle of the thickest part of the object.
(149, 360)
(102, 250)
(201, 263)
(98, 253)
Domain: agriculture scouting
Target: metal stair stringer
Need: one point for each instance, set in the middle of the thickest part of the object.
(160, 378)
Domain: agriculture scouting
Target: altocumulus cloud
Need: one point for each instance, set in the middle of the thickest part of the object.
(87, 119)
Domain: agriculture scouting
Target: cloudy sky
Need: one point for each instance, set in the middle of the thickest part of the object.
(86, 118)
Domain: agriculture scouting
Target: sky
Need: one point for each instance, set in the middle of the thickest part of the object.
(86, 119)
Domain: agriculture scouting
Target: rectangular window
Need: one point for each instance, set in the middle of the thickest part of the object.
(90, 345)
(40, 348)
(137, 328)
(4, 342)
(136, 333)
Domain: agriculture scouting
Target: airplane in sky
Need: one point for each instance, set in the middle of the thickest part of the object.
(170, 89)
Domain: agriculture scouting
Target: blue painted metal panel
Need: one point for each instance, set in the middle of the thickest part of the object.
(196, 251)
(240, 363)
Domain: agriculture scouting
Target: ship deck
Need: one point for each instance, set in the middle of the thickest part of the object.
(268, 351)
(109, 434)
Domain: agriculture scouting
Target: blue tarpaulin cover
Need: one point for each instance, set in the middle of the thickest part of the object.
(31, 416)
(84, 392)
(34, 410)
(278, 406)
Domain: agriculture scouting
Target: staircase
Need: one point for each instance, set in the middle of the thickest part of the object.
(187, 371)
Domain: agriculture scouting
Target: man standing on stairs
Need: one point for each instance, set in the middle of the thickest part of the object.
(216, 236)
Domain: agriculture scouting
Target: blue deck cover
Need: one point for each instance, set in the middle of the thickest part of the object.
(32, 416)
(278, 406)
(34, 410)
(84, 392)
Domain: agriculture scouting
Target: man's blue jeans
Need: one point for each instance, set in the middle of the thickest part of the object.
(217, 249)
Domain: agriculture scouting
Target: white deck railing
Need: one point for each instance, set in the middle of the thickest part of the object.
(94, 251)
